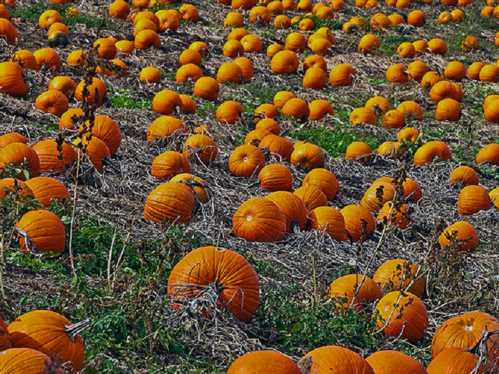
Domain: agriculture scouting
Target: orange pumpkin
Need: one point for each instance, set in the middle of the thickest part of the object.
(324, 180)
(163, 127)
(24, 360)
(170, 201)
(455, 361)
(329, 220)
(472, 199)
(260, 362)
(296, 108)
(12, 137)
(319, 108)
(463, 175)
(488, 154)
(12, 186)
(461, 234)
(400, 275)
(357, 150)
(168, 164)
(354, 290)
(165, 102)
(275, 177)
(259, 219)
(97, 152)
(277, 145)
(11, 79)
(107, 130)
(47, 189)
(20, 155)
(380, 192)
(40, 230)
(47, 57)
(284, 62)
(335, 359)
(54, 157)
(52, 101)
(292, 207)
(341, 75)
(392, 362)
(402, 314)
(25, 59)
(307, 156)
(391, 215)
(448, 110)
(202, 146)
(95, 92)
(206, 88)
(431, 150)
(362, 115)
(229, 112)
(246, 160)
(359, 222)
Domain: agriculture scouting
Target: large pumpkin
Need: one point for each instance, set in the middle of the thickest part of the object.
(246, 160)
(263, 362)
(333, 359)
(354, 290)
(359, 222)
(11, 79)
(324, 180)
(41, 230)
(169, 164)
(275, 177)
(53, 156)
(394, 362)
(259, 219)
(218, 270)
(402, 313)
(24, 361)
(47, 189)
(454, 361)
(292, 207)
(20, 155)
(311, 196)
(329, 220)
(464, 331)
(472, 199)
(107, 130)
(170, 201)
(50, 333)
(399, 275)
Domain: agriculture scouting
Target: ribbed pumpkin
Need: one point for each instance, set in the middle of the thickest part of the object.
(472, 199)
(95, 92)
(47, 189)
(97, 152)
(64, 84)
(12, 137)
(218, 270)
(18, 154)
(50, 333)
(24, 361)
(163, 127)
(464, 235)
(402, 313)
(464, 331)
(333, 359)
(359, 222)
(329, 220)
(324, 180)
(11, 79)
(229, 112)
(307, 156)
(311, 196)
(319, 108)
(380, 192)
(263, 362)
(53, 102)
(270, 125)
(275, 177)
(53, 157)
(357, 150)
(197, 184)
(394, 362)
(47, 57)
(259, 219)
(398, 275)
(341, 75)
(356, 290)
(488, 154)
(292, 207)
(463, 175)
(202, 146)
(246, 160)
(168, 164)
(41, 230)
(277, 145)
(107, 130)
(431, 150)
(12, 185)
(454, 361)
(170, 201)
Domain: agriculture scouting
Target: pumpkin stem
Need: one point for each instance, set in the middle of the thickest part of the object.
(73, 330)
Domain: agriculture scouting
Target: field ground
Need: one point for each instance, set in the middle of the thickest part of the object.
(122, 262)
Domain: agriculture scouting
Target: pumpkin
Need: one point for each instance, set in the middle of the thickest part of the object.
(170, 201)
(189, 56)
(48, 17)
(469, 43)
(416, 18)
(254, 137)
(12, 137)
(8, 30)
(378, 103)
(296, 108)
(455, 70)
(362, 115)
(324, 180)
(265, 111)
(24, 360)
(47, 189)
(461, 234)
(262, 362)
(393, 119)
(329, 220)
(437, 46)
(11, 79)
(54, 157)
(425, 154)
(334, 360)
(50, 333)
(429, 79)
(394, 362)
(389, 149)
(319, 108)
(409, 134)
(406, 49)
(412, 110)
(269, 124)
(40, 230)
(359, 222)
(97, 152)
(20, 155)
(168, 164)
(25, 59)
(314, 78)
(401, 314)
(251, 43)
(454, 361)
(275, 177)
(277, 145)
(341, 75)
(203, 146)
(150, 74)
(368, 43)
(76, 58)
(282, 97)
(246, 66)
(357, 150)
(246, 160)
(118, 9)
(396, 73)
(259, 219)
(314, 60)
(222, 271)
(15, 186)
(448, 110)
(107, 130)
(391, 215)
(187, 104)
(488, 154)
(292, 207)
(196, 183)
(354, 290)
(494, 196)
(95, 92)
(284, 62)
(417, 69)
(311, 196)
(163, 127)
(64, 84)
(399, 275)
(472, 199)
(206, 88)
(52, 101)
(491, 108)
(233, 48)
(233, 19)
(464, 331)
(229, 112)
(47, 57)
(188, 72)
(463, 175)
(147, 38)
(165, 102)
(307, 156)
(377, 195)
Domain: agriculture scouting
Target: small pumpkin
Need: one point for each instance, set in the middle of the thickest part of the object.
(461, 234)
(246, 160)
(40, 230)
(296, 108)
(229, 112)
(197, 184)
(400, 275)
(448, 110)
(206, 88)
(260, 362)
(47, 189)
(165, 102)
(341, 75)
(359, 222)
(425, 154)
(392, 215)
(172, 201)
(169, 164)
(292, 207)
(12, 137)
(472, 199)
(362, 115)
(355, 290)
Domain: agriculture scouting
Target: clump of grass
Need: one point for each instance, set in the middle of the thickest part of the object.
(123, 99)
